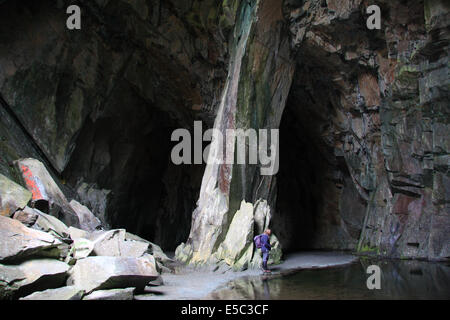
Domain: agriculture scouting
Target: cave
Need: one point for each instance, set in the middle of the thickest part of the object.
(115, 103)
(300, 178)
(93, 204)
(129, 153)
(317, 204)
(362, 116)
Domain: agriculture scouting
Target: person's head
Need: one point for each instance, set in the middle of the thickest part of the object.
(268, 232)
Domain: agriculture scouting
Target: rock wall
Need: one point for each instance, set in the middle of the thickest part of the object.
(389, 96)
(95, 104)
(370, 109)
(363, 117)
(258, 83)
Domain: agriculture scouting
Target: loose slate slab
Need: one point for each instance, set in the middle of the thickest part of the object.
(113, 243)
(30, 276)
(18, 242)
(50, 224)
(27, 216)
(237, 248)
(64, 293)
(12, 196)
(96, 273)
(88, 221)
(43, 188)
(154, 249)
(113, 294)
(107, 243)
(133, 249)
(80, 248)
(76, 233)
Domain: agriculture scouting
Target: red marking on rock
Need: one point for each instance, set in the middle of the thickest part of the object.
(224, 181)
(31, 183)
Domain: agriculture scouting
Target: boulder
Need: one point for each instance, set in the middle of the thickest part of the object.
(64, 250)
(50, 224)
(130, 236)
(238, 243)
(76, 233)
(159, 254)
(276, 252)
(155, 283)
(151, 260)
(27, 216)
(88, 221)
(18, 242)
(133, 249)
(64, 293)
(96, 199)
(81, 248)
(107, 243)
(183, 252)
(10, 281)
(110, 243)
(12, 196)
(95, 273)
(154, 249)
(113, 294)
(45, 191)
(262, 216)
(38, 220)
(30, 276)
(114, 243)
(162, 268)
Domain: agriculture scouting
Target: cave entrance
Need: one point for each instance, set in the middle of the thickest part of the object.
(318, 206)
(301, 175)
(127, 150)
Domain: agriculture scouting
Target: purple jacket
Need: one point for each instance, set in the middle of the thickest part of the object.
(265, 244)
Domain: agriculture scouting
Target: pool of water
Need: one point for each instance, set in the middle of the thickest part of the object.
(399, 279)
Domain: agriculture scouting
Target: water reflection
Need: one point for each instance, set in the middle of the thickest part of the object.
(266, 287)
(399, 280)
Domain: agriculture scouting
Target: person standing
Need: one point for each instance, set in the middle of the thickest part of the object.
(265, 248)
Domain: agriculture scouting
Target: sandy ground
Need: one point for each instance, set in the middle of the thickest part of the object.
(197, 284)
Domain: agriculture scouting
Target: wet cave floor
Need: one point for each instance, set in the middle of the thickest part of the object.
(309, 276)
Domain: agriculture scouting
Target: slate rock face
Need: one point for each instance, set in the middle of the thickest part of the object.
(363, 115)
(63, 93)
(367, 128)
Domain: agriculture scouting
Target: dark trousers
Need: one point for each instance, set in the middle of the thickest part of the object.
(265, 254)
